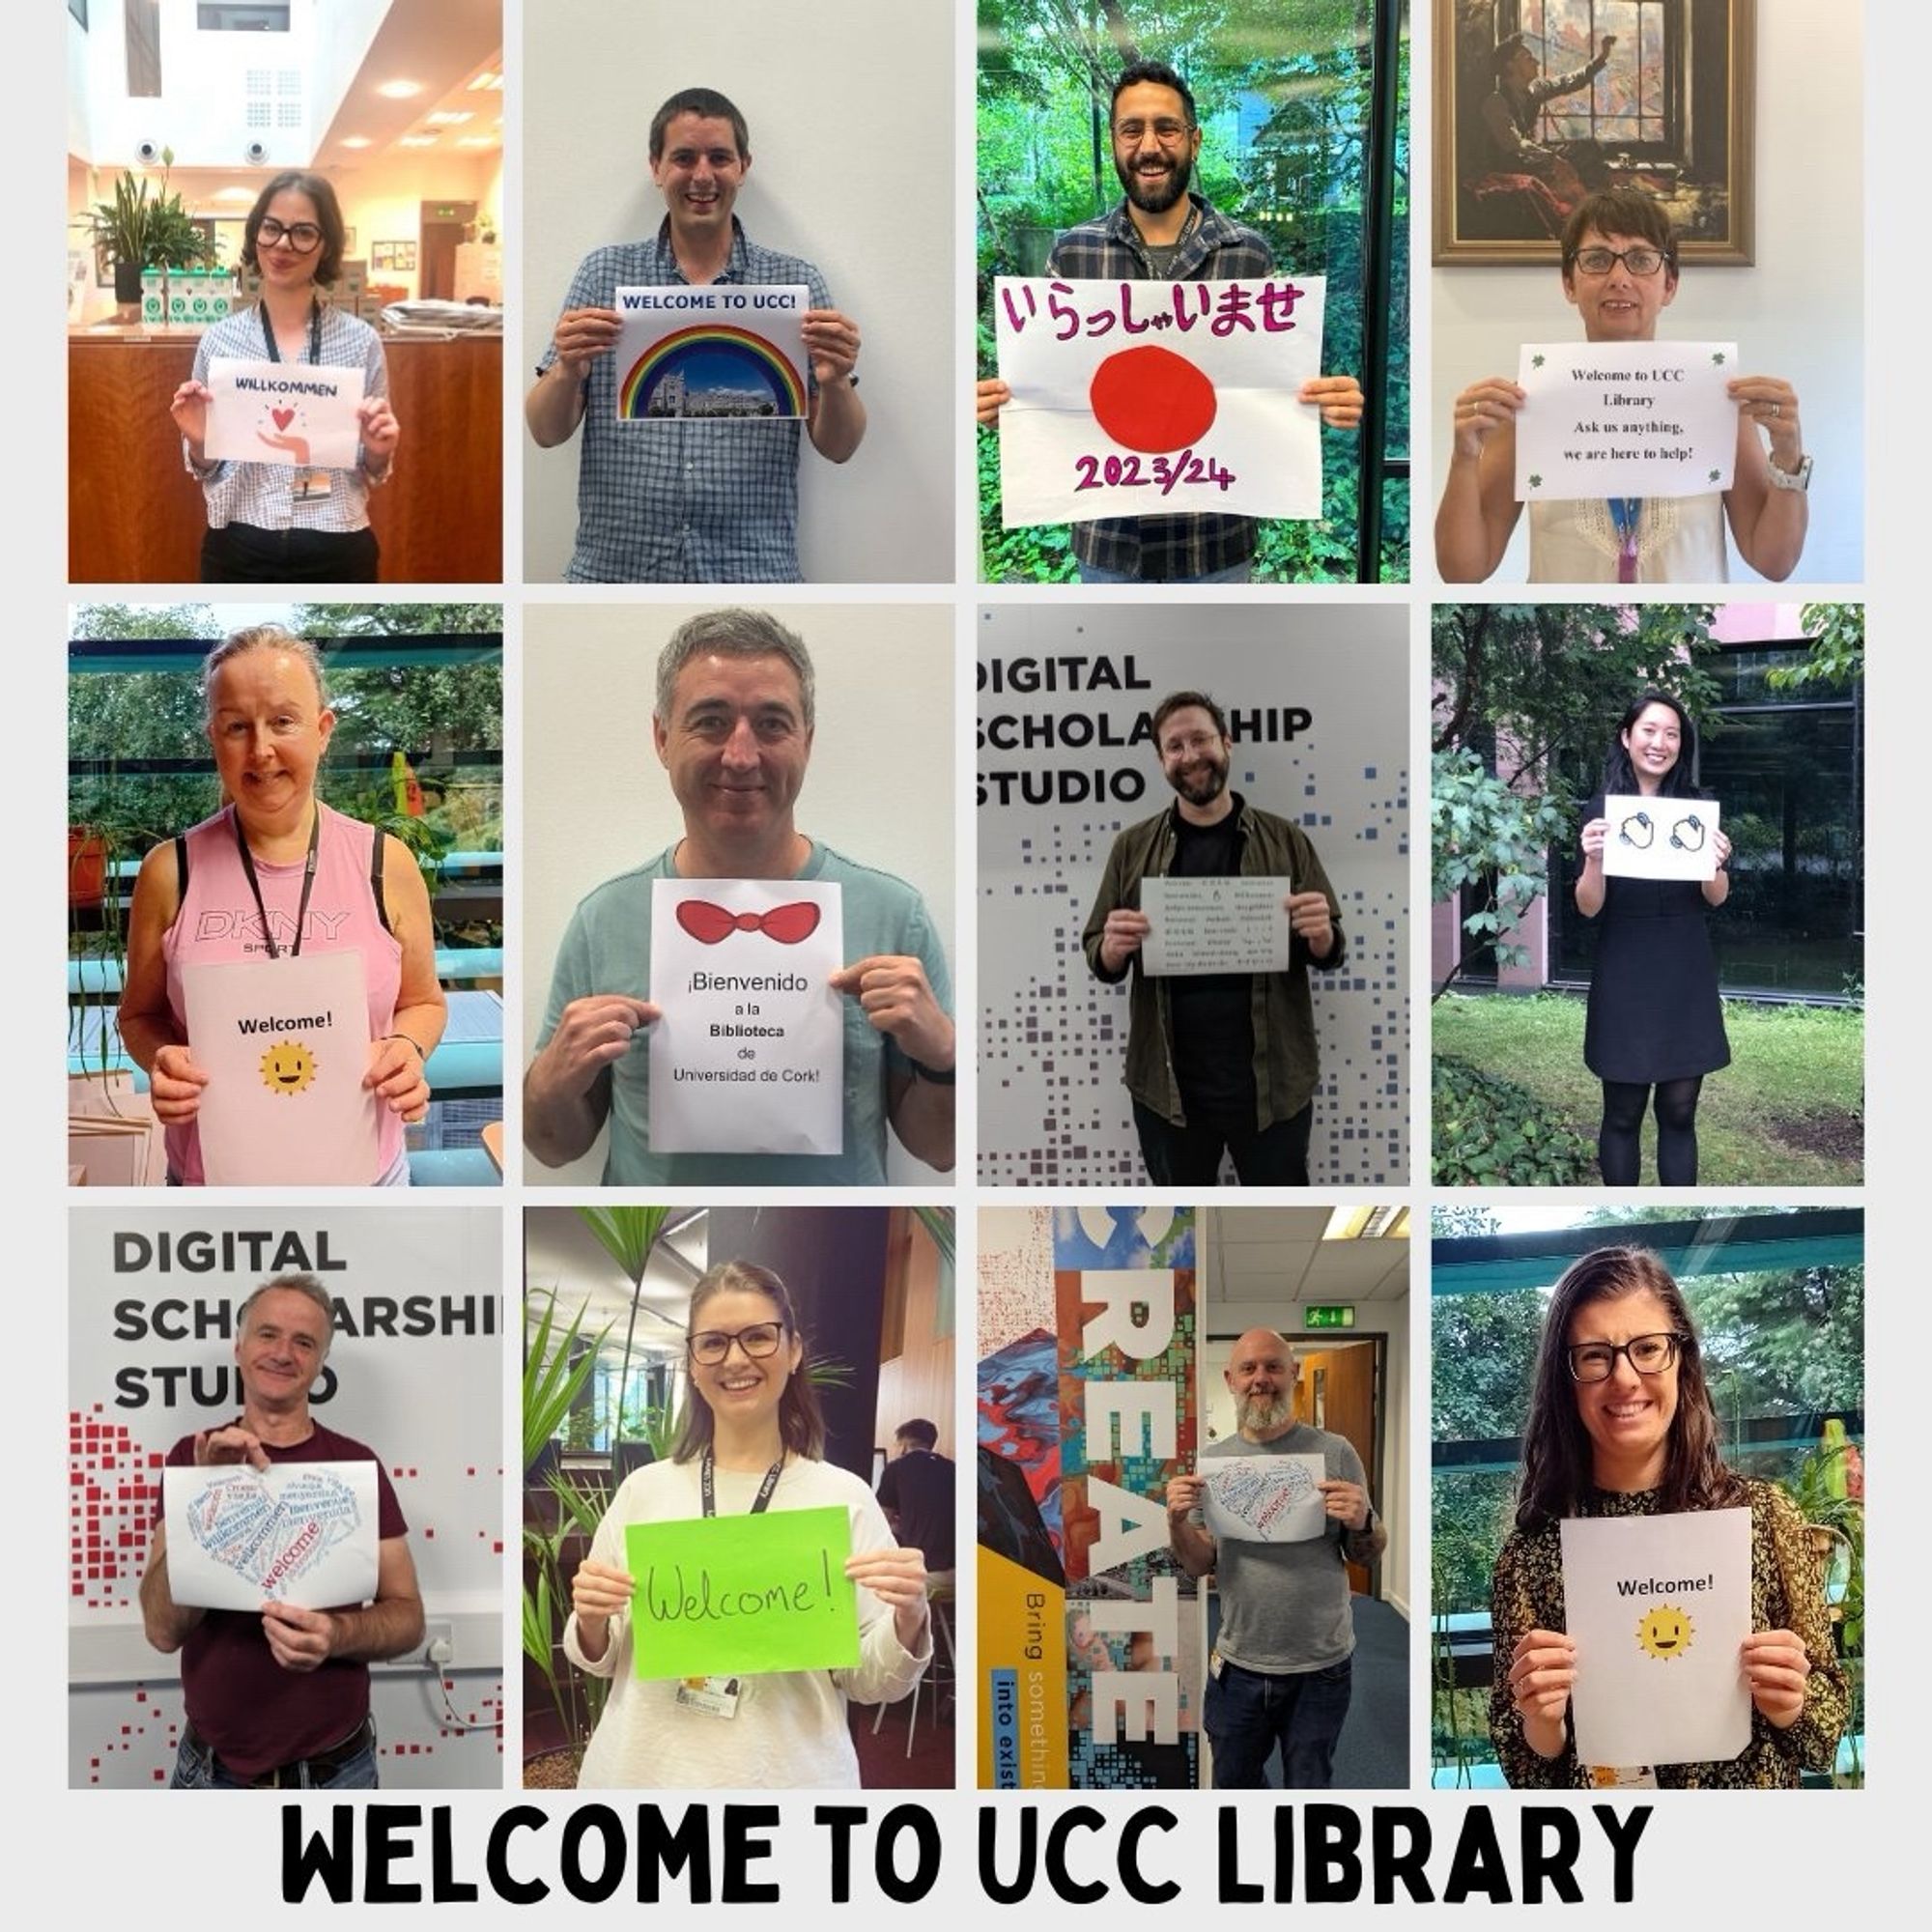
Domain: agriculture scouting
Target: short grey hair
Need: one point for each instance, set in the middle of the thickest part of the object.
(733, 632)
(299, 1283)
(261, 638)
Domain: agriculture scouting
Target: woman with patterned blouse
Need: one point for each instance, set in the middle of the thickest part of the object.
(1621, 1424)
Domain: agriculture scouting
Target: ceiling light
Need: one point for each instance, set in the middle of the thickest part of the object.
(449, 117)
(488, 83)
(1367, 1224)
(418, 141)
(400, 90)
(355, 141)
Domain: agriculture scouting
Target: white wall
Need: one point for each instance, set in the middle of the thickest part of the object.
(851, 118)
(596, 801)
(1344, 780)
(428, 1404)
(1799, 313)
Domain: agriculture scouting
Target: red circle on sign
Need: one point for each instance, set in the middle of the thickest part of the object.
(1152, 399)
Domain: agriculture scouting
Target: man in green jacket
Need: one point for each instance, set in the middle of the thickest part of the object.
(1217, 1062)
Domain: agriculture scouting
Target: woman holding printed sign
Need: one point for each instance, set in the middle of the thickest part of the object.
(1656, 1023)
(1620, 275)
(750, 1440)
(1621, 1425)
(290, 517)
(276, 874)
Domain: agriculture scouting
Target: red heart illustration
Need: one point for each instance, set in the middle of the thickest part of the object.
(283, 417)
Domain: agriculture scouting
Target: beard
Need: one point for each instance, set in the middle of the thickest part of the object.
(1257, 1412)
(1155, 193)
(1201, 785)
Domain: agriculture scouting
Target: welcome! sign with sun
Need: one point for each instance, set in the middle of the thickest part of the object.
(285, 1044)
(1133, 399)
(1659, 1606)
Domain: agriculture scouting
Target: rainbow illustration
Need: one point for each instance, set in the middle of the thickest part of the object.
(712, 369)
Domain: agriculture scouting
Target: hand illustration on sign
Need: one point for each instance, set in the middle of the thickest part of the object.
(1637, 830)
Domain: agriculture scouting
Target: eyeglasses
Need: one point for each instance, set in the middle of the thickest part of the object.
(1200, 741)
(1647, 1354)
(1601, 261)
(710, 1347)
(1168, 134)
(304, 237)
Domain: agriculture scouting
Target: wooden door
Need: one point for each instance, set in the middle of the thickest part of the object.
(1347, 1386)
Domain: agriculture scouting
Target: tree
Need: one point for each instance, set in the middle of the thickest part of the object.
(1837, 653)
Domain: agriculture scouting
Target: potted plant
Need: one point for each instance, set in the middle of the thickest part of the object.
(122, 227)
(1828, 1489)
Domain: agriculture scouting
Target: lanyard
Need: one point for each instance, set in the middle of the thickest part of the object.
(308, 886)
(314, 331)
(1626, 511)
(765, 1488)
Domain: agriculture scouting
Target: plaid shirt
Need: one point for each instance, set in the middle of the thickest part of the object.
(681, 503)
(263, 494)
(1162, 550)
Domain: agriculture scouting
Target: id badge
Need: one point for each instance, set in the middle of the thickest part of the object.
(709, 1696)
(1623, 1777)
(312, 484)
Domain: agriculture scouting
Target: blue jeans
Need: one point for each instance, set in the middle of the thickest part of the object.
(1247, 1715)
(1236, 573)
(197, 1768)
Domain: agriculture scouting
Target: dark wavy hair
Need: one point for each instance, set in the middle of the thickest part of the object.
(1188, 701)
(801, 1424)
(1152, 73)
(327, 217)
(1620, 211)
(1557, 1471)
(1680, 781)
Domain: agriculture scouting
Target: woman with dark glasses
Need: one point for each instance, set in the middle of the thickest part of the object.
(751, 1437)
(294, 520)
(1621, 1424)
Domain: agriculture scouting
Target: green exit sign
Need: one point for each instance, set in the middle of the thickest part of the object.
(1341, 1315)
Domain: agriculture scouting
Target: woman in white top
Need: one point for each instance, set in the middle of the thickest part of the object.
(1620, 273)
(293, 522)
(751, 1437)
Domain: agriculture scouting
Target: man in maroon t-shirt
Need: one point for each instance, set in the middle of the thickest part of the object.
(281, 1697)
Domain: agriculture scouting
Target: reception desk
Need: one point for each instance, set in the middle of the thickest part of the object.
(135, 514)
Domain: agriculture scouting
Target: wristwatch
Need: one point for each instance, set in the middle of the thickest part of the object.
(1791, 479)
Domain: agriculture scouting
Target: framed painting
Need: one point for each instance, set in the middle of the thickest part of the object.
(1539, 102)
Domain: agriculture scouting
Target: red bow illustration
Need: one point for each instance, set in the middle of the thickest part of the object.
(709, 923)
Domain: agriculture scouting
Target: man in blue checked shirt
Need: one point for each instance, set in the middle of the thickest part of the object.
(1164, 231)
(689, 502)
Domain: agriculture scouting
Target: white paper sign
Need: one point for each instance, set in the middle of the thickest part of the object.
(285, 1044)
(1133, 399)
(720, 353)
(1661, 838)
(1263, 1498)
(1625, 419)
(298, 414)
(301, 1533)
(749, 1055)
(1659, 1606)
(1216, 925)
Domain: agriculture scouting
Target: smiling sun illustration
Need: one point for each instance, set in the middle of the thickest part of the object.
(288, 1068)
(1666, 1633)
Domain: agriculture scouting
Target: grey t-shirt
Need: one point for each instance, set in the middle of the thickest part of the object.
(1285, 1605)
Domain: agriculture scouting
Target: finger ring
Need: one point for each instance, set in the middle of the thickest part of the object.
(1774, 408)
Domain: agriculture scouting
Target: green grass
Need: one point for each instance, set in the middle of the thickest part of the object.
(1787, 1112)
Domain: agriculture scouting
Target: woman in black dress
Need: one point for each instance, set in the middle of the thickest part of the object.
(1655, 1018)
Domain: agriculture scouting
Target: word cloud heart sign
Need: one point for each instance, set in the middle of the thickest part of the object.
(720, 353)
(301, 1533)
(285, 1046)
(298, 413)
(1659, 1606)
(1133, 399)
(1216, 926)
(1625, 419)
(728, 1594)
(750, 1054)
(1263, 1498)
(1661, 838)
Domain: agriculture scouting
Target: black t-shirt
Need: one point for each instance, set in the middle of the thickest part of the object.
(1213, 1013)
(919, 1486)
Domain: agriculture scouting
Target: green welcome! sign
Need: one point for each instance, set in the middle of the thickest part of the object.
(730, 1595)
